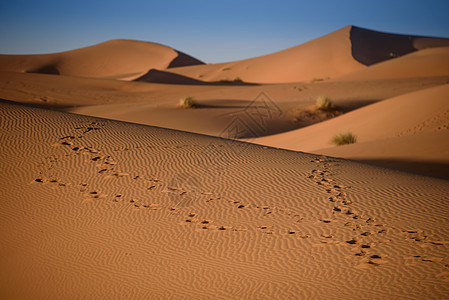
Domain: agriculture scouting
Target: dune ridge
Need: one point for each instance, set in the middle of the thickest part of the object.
(115, 59)
(314, 59)
(341, 52)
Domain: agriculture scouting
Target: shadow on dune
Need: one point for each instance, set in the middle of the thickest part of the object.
(434, 169)
(183, 60)
(227, 103)
(52, 106)
(370, 47)
(158, 76)
(48, 69)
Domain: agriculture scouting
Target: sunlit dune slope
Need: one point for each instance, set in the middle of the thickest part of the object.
(406, 115)
(341, 52)
(95, 208)
(116, 59)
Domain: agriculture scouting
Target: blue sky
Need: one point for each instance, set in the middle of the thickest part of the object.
(213, 31)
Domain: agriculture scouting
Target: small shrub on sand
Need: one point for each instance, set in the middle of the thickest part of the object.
(235, 80)
(187, 102)
(323, 103)
(344, 139)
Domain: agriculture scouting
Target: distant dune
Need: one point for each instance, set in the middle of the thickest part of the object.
(370, 47)
(117, 59)
(328, 56)
(341, 52)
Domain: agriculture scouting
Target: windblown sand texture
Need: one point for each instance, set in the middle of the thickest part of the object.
(112, 190)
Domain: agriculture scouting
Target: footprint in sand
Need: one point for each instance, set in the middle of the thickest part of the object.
(117, 197)
(97, 195)
(370, 261)
(59, 183)
(327, 221)
(327, 236)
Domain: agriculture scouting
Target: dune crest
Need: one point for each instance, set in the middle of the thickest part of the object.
(370, 47)
(115, 59)
(324, 57)
(341, 52)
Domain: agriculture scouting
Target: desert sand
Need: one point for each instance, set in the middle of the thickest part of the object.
(111, 189)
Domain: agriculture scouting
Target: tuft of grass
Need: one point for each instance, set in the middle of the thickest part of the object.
(188, 102)
(235, 80)
(344, 139)
(323, 103)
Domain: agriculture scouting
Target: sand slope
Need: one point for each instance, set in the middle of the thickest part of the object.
(48, 90)
(156, 104)
(341, 52)
(371, 47)
(425, 152)
(97, 208)
(410, 114)
(327, 56)
(117, 59)
(423, 63)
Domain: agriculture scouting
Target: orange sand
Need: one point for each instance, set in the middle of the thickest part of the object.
(111, 189)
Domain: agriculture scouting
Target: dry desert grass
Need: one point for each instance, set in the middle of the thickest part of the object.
(344, 139)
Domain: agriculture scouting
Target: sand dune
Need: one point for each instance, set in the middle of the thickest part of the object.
(48, 90)
(341, 52)
(108, 208)
(426, 152)
(328, 56)
(116, 59)
(371, 47)
(410, 114)
(157, 104)
(158, 76)
(213, 116)
(423, 63)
